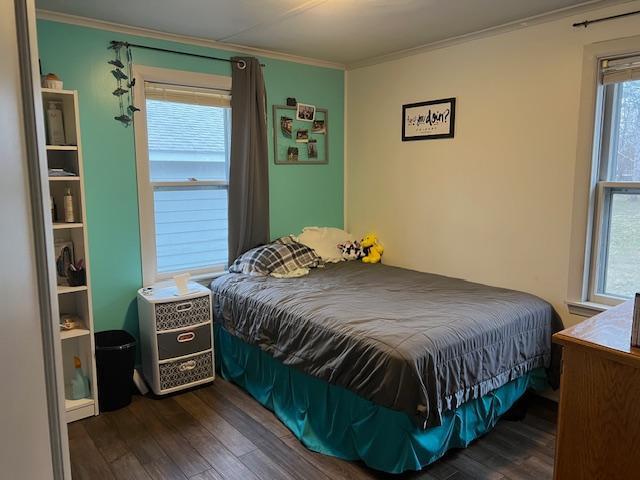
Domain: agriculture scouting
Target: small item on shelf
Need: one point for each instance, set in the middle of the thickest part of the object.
(68, 322)
(55, 125)
(76, 274)
(60, 172)
(64, 258)
(54, 211)
(51, 80)
(79, 382)
(69, 217)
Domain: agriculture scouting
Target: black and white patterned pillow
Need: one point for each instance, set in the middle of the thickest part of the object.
(280, 257)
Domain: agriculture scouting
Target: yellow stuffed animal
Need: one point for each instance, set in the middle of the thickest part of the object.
(370, 244)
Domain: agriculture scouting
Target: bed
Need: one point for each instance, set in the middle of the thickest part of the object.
(382, 364)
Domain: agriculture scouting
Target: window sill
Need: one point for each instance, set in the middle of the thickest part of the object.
(203, 279)
(206, 278)
(586, 309)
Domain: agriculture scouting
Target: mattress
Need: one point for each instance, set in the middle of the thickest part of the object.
(415, 342)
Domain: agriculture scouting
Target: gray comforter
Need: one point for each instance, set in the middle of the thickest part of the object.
(410, 341)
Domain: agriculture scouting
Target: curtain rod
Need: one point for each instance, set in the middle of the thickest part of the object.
(586, 23)
(117, 44)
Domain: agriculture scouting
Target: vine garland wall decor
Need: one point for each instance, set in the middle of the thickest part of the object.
(124, 81)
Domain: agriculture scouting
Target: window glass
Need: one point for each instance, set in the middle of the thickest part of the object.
(188, 148)
(191, 227)
(625, 133)
(622, 265)
(187, 141)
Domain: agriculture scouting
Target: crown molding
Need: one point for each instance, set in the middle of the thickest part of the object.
(558, 14)
(201, 42)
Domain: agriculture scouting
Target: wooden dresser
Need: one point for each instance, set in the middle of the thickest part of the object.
(599, 417)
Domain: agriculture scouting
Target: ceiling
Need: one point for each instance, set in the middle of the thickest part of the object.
(341, 31)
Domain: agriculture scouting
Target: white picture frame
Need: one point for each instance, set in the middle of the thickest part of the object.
(305, 112)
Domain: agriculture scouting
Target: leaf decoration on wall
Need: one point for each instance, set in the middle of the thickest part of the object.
(116, 63)
(123, 73)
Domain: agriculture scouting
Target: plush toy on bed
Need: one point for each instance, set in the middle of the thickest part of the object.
(351, 250)
(373, 248)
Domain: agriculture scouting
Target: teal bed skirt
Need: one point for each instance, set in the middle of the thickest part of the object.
(334, 421)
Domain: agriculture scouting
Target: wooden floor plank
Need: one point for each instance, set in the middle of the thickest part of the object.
(209, 447)
(262, 437)
(333, 467)
(105, 437)
(235, 441)
(86, 461)
(208, 475)
(467, 465)
(220, 433)
(164, 469)
(135, 434)
(253, 408)
(128, 467)
(172, 443)
(264, 467)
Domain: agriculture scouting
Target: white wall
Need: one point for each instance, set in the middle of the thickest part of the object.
(494, 204)
(25, 450)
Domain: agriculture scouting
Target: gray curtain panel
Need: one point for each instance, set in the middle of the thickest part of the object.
(248, 169)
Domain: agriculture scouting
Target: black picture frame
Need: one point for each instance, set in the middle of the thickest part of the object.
(451, 119)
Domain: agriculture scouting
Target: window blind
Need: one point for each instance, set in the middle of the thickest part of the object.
(191, 95)
(616, 70)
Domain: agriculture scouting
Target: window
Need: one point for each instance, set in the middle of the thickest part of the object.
(184, 165)
(615, 262)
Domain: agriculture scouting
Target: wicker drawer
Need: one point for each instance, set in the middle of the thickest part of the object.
(186, 370)
(182, 313)
(184, 342)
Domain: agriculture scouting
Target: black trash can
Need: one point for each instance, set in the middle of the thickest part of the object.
(115, 359)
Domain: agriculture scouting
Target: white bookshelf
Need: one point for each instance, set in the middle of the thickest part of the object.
(75, 300)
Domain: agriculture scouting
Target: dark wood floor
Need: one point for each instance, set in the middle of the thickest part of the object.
(219, 432)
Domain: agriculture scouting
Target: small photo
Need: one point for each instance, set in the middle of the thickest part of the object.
(318, 127)
(312, 148)
(302, 136)
(292, 154)
(305, 112)
(286, 125)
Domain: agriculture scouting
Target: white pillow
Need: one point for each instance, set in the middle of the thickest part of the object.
(325, 240)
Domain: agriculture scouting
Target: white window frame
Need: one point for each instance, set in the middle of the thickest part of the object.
(591, 189)
(146, 209)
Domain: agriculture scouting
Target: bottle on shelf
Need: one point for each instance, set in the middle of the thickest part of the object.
(79, 383)
(69, 216)
(55, 125)
(54, 210)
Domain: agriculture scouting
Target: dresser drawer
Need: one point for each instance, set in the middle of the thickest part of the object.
(186, 370)
(184, 342)
(182, 313)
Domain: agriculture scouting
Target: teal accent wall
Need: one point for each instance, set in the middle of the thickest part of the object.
(299, 195)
